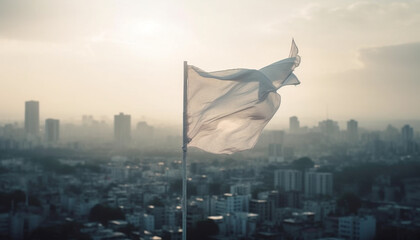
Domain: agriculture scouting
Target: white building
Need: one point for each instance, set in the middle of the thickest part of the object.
(275, 153)
(241, 224)
(241, 189)
(52, 130)
(148, 222)
(122, 129)
(321, 208)
(230, 203)
(357, 228)
(288, 180)
(318, 183)
(294, 125)
(32, 118)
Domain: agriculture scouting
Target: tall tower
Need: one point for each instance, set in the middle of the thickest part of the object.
(318, 183)
(352, 131)
(52, 130)
(32, 118)
(122, 129)
(294, 124)
(407, 133)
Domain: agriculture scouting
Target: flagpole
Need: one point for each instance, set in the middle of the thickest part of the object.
(184, 156)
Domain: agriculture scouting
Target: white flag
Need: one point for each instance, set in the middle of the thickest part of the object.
(227, 110)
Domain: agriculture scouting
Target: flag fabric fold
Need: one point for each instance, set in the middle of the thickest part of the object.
(227, 110)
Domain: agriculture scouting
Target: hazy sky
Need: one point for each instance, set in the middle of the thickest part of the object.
(360, 59)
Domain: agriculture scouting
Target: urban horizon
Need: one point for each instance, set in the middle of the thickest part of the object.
(209, 120)
(275, 124)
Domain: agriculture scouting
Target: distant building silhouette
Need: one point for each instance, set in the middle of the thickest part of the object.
(294, 124)
(87, 120)
(407, 133)
(32, 118)
(122, 129)
(144, 134)
(391, 134)
(352, 131)
(275, 153)
(329, 128)
(52, 130)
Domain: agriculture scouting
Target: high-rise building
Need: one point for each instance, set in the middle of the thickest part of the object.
(275, 136)
(329, 128)
(352, 131)
(229, 203)
(288, 180)
(275, 153)
(407, 139)
(144, 134)
(52, 130)
(122, 129)
(355, 227)
(294, 124)
(407, 133)
(391, 134)
(260, 207)
(241, 189)
(318, 183)
(32, 118)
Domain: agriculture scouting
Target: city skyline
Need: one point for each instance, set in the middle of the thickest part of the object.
(101, 101)
(294, 120)
(33, 106)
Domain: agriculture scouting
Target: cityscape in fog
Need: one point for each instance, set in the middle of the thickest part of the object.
(123, 132)
(122, 180)
(91, 120)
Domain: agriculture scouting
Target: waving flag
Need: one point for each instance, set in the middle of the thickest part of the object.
(227, 110)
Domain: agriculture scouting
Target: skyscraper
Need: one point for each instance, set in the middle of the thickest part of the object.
(318, 183)
(122, 129)
(407, 133)
(407, 139)
(352, 131)
(329, 128)
(275, 153)
(294, 124)
(52, 130)
(32, 118)
(288, 180)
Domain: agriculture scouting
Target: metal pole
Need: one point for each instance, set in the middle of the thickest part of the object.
(184, 156)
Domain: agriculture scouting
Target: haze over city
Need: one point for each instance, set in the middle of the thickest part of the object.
(209, 120)
(359, 58)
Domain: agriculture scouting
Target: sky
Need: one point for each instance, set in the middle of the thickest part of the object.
(360, 59)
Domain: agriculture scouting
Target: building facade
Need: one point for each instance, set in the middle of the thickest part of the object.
(294, 124)
(318, 183)
(32, 118)
(357, 228)
(52, 130)
(288, 180)
(122, 129)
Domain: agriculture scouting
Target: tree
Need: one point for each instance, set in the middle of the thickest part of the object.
(303, 163)
(103, 214)
(157, 202)
(204, 229)
(349, 203)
